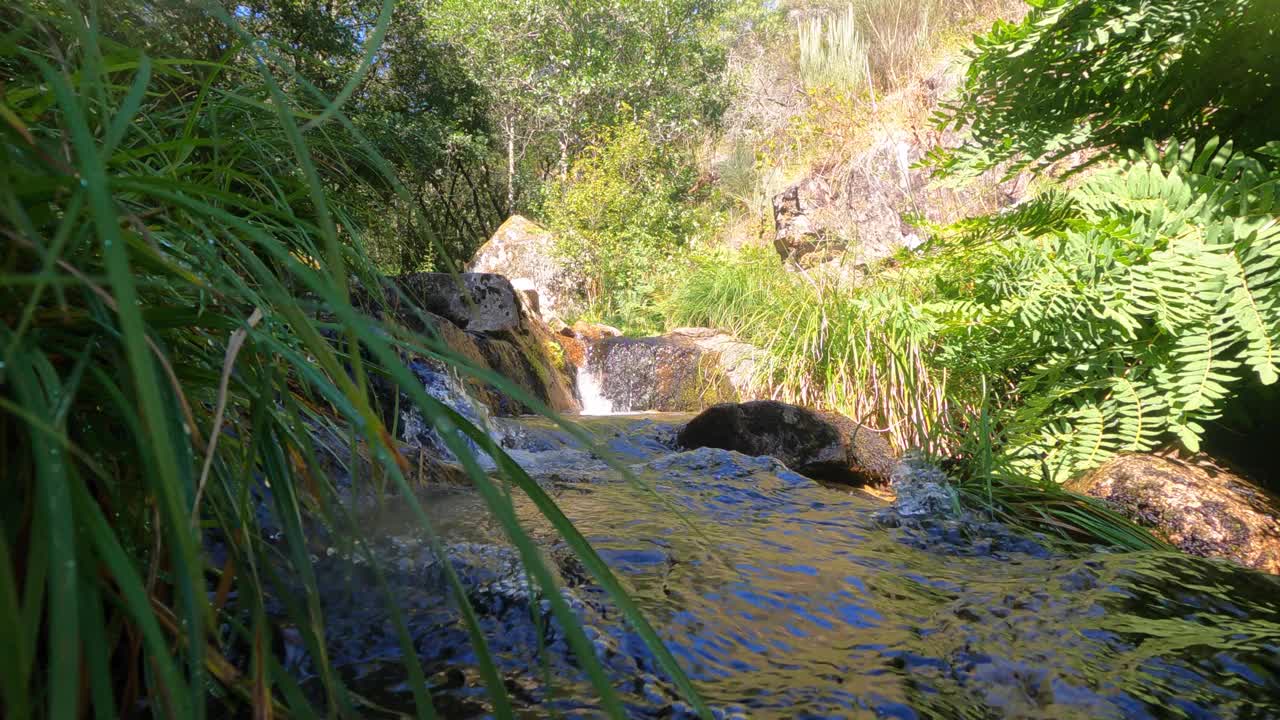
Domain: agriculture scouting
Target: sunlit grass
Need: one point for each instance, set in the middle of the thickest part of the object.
(171, 245)
(873, 353)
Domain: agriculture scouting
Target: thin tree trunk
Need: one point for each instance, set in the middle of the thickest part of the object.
(564, 157)
(510, 128)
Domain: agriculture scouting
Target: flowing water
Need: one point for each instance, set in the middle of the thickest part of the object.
(591, 391)
(783, 598)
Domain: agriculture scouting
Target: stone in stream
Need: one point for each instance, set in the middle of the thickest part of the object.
(481, 319)
(922, 489)
(823, 446)
(685, 370)
(578, 338)
(1201, 509)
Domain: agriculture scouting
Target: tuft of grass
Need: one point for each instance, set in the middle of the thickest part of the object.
(833, 53)
(874, 352)
(862, 352)
(175, 318)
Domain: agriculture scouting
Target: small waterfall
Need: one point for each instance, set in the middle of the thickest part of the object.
(589, 387)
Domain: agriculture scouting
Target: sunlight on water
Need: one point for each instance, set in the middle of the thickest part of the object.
(784, 598)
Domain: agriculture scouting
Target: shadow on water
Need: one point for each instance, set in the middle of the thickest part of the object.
(793, 600)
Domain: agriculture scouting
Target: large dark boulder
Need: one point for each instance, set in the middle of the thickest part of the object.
(478, 302)
(823, 446)
(1200, 508)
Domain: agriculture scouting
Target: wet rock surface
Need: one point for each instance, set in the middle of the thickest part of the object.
(783, 598)
(824, 446)
(670, 373)
(526, 353)
(1201, 509)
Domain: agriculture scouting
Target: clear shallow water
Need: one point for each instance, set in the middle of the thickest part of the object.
(786, 599)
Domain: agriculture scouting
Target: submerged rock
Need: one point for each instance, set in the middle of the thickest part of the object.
(921, 489)
(824, 446)
(1203, 510)
(781, 597)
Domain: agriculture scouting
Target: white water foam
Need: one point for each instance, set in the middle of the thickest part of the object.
(593, 400)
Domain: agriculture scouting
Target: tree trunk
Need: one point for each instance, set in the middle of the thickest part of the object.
(510, 128)
(564, 157)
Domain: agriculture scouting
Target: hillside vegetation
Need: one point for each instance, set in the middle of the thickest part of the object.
(192, 193)
(1118, 312)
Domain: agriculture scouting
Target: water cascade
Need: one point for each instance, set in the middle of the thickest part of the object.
(590, 389)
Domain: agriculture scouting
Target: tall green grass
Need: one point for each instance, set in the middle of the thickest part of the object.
(875, 353)
(171, 243)
(877, 46)
(864, 353)
(833, 53)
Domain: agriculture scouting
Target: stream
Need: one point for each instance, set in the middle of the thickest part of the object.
(783, 598)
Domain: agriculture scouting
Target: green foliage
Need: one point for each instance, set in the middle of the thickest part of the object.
(412, 99)
(622, 218)
(1120, 316)
(864, 353)
(1078, 74)
(176, 338)
(556, 69)
(1129, 325)
(833, 53)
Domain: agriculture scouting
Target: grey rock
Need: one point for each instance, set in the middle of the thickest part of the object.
(921, 489)
(525, 252)
(479, 302)
(799, 229)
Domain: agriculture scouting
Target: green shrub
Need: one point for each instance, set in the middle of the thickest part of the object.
(622, 216)
(865, 352)
(1037, 343)
(1128, 321)
(1077, 74)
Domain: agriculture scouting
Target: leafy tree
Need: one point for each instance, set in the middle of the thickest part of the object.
(556, 68)
(1078, 74)
(179, 352)
(622, 217)
(411, 100)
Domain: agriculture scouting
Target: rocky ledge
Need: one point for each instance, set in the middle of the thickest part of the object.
(482, 320)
